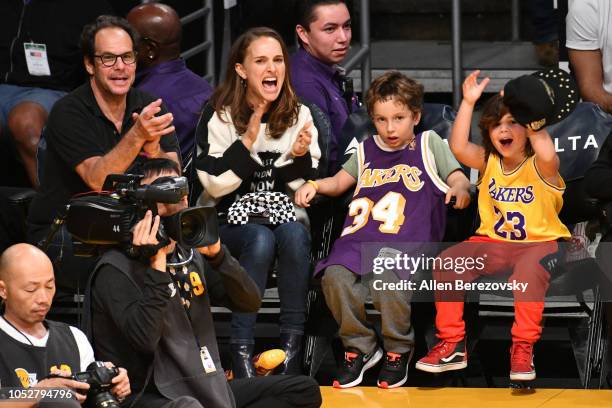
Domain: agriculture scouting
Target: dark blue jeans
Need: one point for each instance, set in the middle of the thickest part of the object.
(255, 246)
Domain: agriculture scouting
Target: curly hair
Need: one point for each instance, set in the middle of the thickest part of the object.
(232, 92)
(492, 112)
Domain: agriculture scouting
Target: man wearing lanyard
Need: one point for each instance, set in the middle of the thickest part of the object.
(33, 348)
(40, 62)
(153, 316)
(324, 34)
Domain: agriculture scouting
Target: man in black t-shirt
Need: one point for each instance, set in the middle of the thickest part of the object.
(31, 347)
(103, 127)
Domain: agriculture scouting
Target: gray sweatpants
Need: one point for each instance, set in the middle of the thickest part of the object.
(345, 295)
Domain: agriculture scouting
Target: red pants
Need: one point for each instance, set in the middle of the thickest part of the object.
(522, 259)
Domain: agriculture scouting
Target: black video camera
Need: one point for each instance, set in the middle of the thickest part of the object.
(107, 218)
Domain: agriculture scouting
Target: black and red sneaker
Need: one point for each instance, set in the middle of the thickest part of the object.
(394, 371)
(444, 356)
(521, 362)
(354, 365)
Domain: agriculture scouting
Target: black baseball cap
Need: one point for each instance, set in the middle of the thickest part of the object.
(542, 98)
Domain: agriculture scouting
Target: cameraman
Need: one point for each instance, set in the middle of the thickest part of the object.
(31, 347)
(154, 318)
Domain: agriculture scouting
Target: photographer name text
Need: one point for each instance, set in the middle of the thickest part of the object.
(456, 285)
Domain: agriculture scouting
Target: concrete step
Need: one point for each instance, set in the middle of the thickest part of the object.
(430, 62)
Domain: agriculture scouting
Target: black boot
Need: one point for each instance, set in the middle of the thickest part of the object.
(292, 346)
(242, 360)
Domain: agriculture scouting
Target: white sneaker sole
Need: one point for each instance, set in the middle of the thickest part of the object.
(371, 363)
(440, 368)
(522, 376)
(403, 380)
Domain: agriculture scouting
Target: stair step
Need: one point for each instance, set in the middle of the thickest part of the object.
(430, 62)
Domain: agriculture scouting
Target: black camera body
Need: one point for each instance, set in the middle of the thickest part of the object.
(99, 378)
(107, 218)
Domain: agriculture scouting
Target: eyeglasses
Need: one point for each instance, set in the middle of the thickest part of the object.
(109, 60)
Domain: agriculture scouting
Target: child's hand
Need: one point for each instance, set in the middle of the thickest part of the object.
(304, 194)
(462, 197)
(472, 89)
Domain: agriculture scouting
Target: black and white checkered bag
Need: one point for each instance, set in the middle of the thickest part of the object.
(264, 207)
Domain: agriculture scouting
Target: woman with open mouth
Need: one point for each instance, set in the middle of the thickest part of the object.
(257, 138)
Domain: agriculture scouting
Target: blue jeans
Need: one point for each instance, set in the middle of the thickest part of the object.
(255, 246)
(12, 95)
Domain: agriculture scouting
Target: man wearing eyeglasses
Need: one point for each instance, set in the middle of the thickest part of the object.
(103, 127)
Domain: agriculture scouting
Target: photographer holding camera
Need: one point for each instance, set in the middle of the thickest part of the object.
(35, 352)
(152, 315)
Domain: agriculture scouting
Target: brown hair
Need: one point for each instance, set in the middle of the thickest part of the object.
(492, 112)
(305, 11)
(232, 92)
(394, 84)
(88, 35)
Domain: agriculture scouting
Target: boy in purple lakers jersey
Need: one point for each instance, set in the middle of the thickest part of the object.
(402, 183)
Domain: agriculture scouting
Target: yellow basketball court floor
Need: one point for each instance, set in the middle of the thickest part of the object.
(409, 397)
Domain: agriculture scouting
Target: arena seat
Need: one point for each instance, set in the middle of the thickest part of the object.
(578, 140)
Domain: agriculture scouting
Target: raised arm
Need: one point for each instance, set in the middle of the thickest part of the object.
(468, 153)
(547, 161)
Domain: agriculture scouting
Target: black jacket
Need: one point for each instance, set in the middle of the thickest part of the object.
(155, 325)
(55, 23)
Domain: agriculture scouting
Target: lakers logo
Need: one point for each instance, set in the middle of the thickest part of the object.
(511, 194)
(26, 379)
(409, 175)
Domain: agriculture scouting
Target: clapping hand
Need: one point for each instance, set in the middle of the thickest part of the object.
(150, 127)
(250, 136)
(302, 142)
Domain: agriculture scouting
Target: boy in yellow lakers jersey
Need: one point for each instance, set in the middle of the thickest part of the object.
(520, 196)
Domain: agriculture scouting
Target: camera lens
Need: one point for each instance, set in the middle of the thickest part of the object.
(104, 399)
(193, 227)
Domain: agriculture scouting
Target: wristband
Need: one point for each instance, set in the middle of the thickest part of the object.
(314, 183)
